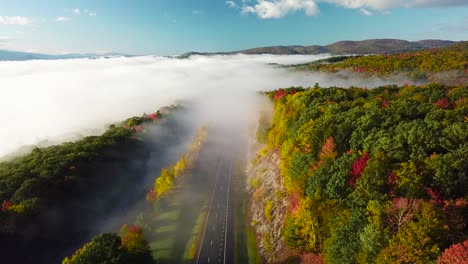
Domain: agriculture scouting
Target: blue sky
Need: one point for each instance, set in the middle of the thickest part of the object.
(176, 26)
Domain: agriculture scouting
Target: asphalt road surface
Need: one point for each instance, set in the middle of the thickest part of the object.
(217, 238)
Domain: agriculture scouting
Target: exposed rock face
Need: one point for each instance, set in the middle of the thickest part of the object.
(268, 205)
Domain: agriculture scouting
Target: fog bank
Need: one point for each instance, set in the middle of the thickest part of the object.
(65, 99)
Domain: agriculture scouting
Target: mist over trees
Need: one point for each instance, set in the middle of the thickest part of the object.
(55, 197)
(447, 65)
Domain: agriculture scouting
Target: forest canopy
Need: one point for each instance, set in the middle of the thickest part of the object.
(426, 65)
(27, 182)
(381, 173)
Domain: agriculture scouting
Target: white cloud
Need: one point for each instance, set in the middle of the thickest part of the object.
(62, 19)
(92, 13)
(365, 12)
(231, 4)
(197, 12)
(77, 11)
(15, 20)
(280, 8)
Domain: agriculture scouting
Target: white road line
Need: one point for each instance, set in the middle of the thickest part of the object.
(227, 209)
(209, 209)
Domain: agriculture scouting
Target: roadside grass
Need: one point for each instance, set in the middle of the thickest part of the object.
(176, 223)
(164, 228)
(192, 244)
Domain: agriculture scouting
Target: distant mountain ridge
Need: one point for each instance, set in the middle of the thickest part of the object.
(11, 55)
(371, 46)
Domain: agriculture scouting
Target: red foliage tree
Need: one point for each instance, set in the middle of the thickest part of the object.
(309, 258)
(151, 195)
(279, 94)
(153, 116)
(384, 103)
(138, 128)
(6, 205)
(357, 168)
(392, 178)
(454, 214)
(401, 211)
(443, 103)
(132, 238)
(316, 166)
(328, 149)
(359, 69)
(455, 254)
(295, 202)
(327, 152)
(435, 196)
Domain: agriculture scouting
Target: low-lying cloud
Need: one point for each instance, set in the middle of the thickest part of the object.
(61, 100)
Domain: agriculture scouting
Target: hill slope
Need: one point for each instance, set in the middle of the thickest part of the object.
(425, 65)
(376, 46)
(368, 175)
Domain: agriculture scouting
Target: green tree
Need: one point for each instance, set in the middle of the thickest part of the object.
(417, 241)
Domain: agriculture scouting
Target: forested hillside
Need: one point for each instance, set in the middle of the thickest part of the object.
(130, 245)
(370, 46)
(371, 175)
(59, 193)
(448, 63)
(25, 182)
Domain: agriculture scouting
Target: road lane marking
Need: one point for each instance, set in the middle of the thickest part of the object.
(209, 209)
(227, 208)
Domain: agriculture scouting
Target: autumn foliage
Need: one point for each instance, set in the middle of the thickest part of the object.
(279, 94)
(132, 238)
(6, 205)
(328, 150)
(455, 254)
(166, 180)
(373, 175)
(357, 168)
(443, 103)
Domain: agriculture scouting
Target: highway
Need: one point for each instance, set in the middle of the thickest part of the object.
(217, 242)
